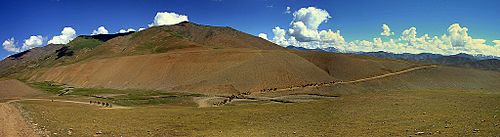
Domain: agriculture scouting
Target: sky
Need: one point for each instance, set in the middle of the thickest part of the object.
(430, 26)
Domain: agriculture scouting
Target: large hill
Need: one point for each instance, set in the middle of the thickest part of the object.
(206, 59)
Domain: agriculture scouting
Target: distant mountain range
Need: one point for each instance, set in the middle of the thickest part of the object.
(484, 62)
(329, 49)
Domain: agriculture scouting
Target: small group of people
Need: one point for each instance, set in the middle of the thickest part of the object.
(301, 86)
(105, 104)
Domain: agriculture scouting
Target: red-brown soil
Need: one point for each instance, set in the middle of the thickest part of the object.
(12, 89)
(226, 71)
(12, 124)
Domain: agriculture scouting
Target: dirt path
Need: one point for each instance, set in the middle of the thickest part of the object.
(12, 123)
(332, 83)
(387, 75)
(69, 101)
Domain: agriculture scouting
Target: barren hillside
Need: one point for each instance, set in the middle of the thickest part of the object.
(217, 71)
(218, 60)
(349, 67)
(11, 89)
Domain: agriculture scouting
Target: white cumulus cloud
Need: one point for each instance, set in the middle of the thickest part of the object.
(67, 34)
(409, 34)
(456, 40)
(311, 16)
(125, 31)
(497, 43)
(10, 45)
(32, 42)
(331, 37)
(263, 36)
(168, 18)
(303, 32)
(100, 30)
(279, 36)
(386, 31)
(305, 23)
(458, 36)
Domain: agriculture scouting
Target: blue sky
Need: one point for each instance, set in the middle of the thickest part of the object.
(356, 19)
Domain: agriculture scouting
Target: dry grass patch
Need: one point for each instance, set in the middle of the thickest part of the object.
(402, 113)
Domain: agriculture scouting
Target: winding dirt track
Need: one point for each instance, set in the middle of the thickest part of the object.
(332, 83)
(12, 123)
(68, 101)
(387, 74)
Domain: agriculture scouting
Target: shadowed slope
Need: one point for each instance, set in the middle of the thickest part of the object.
(440, 78)
(22, 59)
(349, 67)
(488, 64)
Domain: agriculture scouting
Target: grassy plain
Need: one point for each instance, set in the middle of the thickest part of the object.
(394, 113)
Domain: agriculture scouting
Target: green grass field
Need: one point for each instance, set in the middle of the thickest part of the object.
(138, 97)
(82, 43)
(395, 113)
(129, 97)
(47, 87)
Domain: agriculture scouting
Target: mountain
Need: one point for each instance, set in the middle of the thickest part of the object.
(21, 59)
(181, 57)
(188, 57)
(52, 54)
(459, 60)
(330, 49)
(405, 56)
(297, 48)
(487, 64)
(302, 48)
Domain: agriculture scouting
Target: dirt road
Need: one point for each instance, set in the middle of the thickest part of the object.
(387, 75)
(69, 101)
(332, 83)
(12, 123)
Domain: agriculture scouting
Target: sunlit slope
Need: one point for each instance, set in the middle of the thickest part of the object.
(13, 89)
(209, 71)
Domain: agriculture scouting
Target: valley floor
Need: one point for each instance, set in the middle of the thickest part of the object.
(281, 112)
(391, 113)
